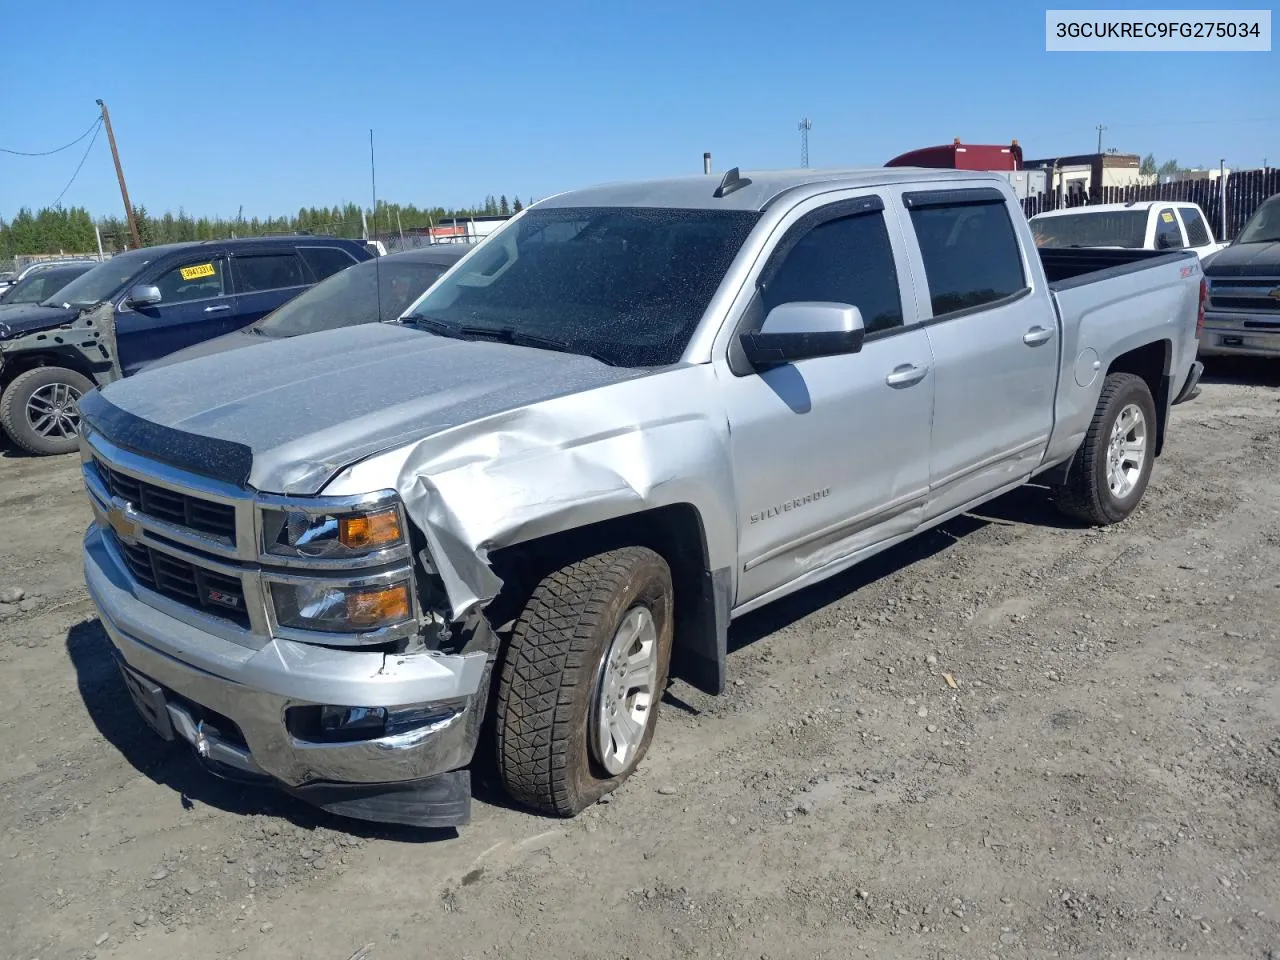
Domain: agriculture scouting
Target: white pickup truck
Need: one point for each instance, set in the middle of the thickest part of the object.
(1149, 225)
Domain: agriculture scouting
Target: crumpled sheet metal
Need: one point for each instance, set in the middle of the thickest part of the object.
(559, 465)
(92, 334)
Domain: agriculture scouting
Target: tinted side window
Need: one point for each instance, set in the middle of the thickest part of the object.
(971, 255)
(1168, 234)
(1197, 231)
(270, 271)
(848, 260)
(194, 280)
(326, 261)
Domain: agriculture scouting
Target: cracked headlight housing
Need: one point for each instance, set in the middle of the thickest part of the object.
(337, 535)
(337, 608)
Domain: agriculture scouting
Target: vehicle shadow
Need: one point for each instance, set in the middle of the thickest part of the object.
(1242, 371)
(174, 764)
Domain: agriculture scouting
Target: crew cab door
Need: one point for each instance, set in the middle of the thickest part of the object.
(194, 297)
(994, 340)
(830, 454)
(265, 278)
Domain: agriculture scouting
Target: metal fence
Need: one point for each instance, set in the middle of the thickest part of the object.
(1245, 190)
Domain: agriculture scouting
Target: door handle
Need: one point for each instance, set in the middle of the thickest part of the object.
(218, 309)
(906, 374)
(1036, 336)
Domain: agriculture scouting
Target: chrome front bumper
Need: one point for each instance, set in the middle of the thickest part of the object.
(177, 673)
(1240, 335)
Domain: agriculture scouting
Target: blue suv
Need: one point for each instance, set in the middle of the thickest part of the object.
(140, 306)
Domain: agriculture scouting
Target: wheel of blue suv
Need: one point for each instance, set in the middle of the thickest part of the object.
(1110, 471)
(581, 679)
(38, 410)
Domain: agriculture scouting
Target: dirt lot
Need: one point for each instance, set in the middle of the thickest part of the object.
(1104, 781)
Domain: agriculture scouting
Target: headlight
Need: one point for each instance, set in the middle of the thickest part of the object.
(341, 609)
(298, 533)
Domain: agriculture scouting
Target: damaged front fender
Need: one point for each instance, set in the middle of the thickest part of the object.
(86, 344)
(561, 465)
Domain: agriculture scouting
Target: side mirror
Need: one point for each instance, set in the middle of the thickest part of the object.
(144, 295)
(803, 330)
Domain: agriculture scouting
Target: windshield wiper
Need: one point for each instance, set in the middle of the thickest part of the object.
(441, 328)
(521, 339)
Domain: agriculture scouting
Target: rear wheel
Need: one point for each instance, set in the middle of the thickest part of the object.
(38, 410)
(581, 679)
(1110, 471)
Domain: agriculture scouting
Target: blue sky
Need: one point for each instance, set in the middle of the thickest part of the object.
(269, 104)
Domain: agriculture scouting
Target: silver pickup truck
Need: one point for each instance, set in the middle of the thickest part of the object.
(631, 415)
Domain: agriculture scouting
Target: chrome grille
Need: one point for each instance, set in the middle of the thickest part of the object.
(1245, 294)
(202, 516)
(189, 584)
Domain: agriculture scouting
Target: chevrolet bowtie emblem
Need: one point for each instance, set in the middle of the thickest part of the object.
(1274, 294)
(123, 519)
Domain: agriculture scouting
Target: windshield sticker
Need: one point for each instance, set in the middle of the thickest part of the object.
(198, 271)
(1167, 217)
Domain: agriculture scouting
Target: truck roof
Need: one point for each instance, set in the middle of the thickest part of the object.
(1112, 207)
(698, 191)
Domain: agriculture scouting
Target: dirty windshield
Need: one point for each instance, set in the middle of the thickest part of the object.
(1105, 228)
(103, 280)
(1264, 225)
(627, 285)
(351, 296)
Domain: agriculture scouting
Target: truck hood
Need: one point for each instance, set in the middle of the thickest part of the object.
(19, 318)
(288, 415)
(1245, 260)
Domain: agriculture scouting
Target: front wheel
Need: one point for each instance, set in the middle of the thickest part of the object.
(38, 410)
(1110, 471)
(581, 679)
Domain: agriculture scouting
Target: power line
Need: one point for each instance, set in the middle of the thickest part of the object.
(1188, 123)
(46, 153)
(97, 127)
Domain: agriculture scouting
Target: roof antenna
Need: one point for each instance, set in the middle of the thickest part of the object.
(730, 182)
(377, 266)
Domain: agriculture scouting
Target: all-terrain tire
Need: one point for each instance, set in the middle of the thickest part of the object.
(15, 417)
(551, 675)
(1087, 494)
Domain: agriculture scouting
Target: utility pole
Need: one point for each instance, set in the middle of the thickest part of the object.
(1100, 129)
(805, 126)
(124, 191)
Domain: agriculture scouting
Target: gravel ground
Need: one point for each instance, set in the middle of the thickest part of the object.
(1008, 738)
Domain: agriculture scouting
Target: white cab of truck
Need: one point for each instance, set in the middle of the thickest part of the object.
(1163, 225)
(633, 413)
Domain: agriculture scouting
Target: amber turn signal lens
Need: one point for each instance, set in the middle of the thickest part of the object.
(375, 608)
(370, 530)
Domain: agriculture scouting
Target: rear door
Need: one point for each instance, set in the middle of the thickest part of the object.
(194, 300)
(265, 277)
(1168, 235)
(994, 342)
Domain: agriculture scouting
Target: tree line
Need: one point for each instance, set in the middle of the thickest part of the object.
(70, 229)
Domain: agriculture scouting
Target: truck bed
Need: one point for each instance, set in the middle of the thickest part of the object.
(1070, 267)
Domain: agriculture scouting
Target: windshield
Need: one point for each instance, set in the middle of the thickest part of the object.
(1102, 228)
(627, 285)
(351, 296)
(39, 285)
(103, 280)
(1264, 225)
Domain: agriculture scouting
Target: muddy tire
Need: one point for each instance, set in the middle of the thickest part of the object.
(581, 679)
(37, 410)
(1110, 471)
